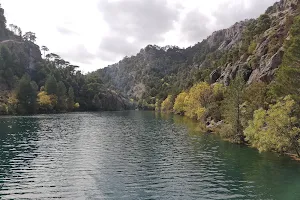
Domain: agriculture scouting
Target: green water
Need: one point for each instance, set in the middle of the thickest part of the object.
(133, 155)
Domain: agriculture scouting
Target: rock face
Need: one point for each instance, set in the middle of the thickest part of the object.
(30, 52)
(267, 68)
(227, 38)
(215, 75)
(27, 52)
(155, 69)
(112, 101)
(268, 61)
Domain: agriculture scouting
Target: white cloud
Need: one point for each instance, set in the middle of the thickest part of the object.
(95, 33)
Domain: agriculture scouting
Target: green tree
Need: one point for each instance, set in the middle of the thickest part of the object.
(263, 23)
(30, 36)
(252, 47)
(97, 102)
(277, 128)
(254, 97)
(287, 82)
(2, 23)
(71, 99)
(61, 96)
(51, 85)
(27, 95)
(292, 52)
(19, 32)
(44, 49)
(214, 107)
(232, 111)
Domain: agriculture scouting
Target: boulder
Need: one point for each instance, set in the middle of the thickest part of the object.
(215, 75)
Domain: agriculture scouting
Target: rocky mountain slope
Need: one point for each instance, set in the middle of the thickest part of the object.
(261, 62)
(253, 47)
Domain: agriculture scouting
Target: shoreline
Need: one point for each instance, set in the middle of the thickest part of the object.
(209, 129)
(213, 129)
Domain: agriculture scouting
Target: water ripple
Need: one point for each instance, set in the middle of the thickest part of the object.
(132, 155)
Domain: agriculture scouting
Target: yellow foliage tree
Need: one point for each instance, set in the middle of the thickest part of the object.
(167, 104)
(277, 128)
(12, 103)
(179, 105)
(157, 105)
(3, 109)
(46, 102)
(13, 100)
(219, 90)
(76, 105)
(197, 100)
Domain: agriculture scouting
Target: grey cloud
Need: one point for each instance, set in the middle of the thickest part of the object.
(115, 46)
(194, 26)
(65, 31)
(79, 54)
(229, 13)
(144, 20)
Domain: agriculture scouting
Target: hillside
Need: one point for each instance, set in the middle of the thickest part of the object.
(253, 47)
(31, 83)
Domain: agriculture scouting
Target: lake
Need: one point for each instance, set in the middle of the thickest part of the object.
(133, 155)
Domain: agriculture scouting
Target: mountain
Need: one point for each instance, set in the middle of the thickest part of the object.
(31, 83)
(253, 47)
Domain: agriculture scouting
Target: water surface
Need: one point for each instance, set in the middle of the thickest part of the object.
(133, 155)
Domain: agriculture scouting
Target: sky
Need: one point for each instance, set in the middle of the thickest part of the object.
(95, 33)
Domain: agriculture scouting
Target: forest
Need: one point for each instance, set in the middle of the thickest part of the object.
(31, 83)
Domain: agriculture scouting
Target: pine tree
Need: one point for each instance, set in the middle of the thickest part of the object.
(51, 85)
(232, 110)
(71, 100)
(61, 96)
(27, 94)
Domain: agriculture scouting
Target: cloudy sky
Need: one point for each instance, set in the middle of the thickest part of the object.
(95, 33)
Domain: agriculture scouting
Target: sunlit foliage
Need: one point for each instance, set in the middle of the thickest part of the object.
(167, 104)
(277, 128)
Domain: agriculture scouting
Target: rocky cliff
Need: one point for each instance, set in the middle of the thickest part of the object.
(26, 50)
(261, 64)
(253, 47)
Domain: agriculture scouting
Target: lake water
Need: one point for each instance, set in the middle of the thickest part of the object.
(133, 155)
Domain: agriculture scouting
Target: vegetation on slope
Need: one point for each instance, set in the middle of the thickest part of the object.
(31, 84)
(266, 116)
(252, 48)
(242, 81)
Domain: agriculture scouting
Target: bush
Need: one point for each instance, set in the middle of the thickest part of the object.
(252, 47)
(3, 109)
(76, 106)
